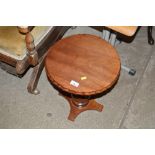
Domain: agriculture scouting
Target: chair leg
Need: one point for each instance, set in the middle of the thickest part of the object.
(112, 39)
(150, 38)
(107, 35)
(129, 70)
(37, 70)
(103, 34)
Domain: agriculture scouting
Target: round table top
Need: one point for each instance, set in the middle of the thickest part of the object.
(82, 64)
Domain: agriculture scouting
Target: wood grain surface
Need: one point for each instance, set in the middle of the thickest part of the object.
(85, 59)
(126, 30)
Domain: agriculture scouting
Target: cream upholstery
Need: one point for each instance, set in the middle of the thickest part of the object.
(12, 43)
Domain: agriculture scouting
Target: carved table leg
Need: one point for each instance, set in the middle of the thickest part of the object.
(150, 38)
(37, 70)
(80, 105)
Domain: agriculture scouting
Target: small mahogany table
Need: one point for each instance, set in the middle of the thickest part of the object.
(81, 66)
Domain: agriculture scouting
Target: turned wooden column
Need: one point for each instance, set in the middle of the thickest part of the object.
(32, 55)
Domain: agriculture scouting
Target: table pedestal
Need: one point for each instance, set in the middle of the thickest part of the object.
(80, 105)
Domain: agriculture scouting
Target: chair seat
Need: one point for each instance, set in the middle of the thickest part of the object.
(12, 43)
(126, 30)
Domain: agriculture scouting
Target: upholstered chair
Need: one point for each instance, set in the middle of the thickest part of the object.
(23, 47)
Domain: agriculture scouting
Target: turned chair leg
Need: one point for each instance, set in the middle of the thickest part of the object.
(37, 70)
(150, 38)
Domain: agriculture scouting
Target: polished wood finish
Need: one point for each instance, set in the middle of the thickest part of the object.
(8, 68)
(83, 55)
(32, 53)
(78, 106)
(8, 60)
(126, 30)
(22, 65)
(88, 60)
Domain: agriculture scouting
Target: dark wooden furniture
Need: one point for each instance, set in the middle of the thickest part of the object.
(150, 38)
(81, 66)
(27, 48)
